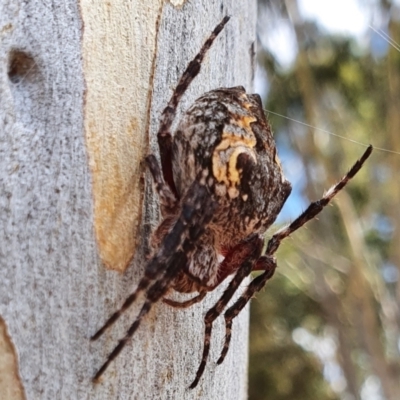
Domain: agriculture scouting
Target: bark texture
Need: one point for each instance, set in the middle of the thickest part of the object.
(55, 287)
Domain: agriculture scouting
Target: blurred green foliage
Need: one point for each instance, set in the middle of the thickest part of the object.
(340, 274)
(279, 368)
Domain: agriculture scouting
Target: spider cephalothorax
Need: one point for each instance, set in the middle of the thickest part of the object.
(220, 187)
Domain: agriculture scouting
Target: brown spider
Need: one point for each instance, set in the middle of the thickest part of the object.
(220, 188)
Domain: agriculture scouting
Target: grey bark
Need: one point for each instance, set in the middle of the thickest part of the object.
(55, 289)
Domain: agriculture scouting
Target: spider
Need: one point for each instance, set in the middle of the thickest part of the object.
(220, 187)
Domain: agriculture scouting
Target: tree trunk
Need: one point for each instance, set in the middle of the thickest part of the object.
(82, 86)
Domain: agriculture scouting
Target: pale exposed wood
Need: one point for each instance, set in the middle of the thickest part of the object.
(119, 50)
(55, 291)
(10, 384)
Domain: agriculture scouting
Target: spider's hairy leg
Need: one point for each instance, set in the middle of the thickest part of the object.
(187, 303)
(216, 311)
(191, 216)
(168, 115)
(317, 206)
(153, 270)
(168, 201)
(197, 211)
(273, 244)
(156, 291)
(266, 263)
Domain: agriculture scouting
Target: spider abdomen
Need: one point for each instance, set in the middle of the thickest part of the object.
(225, 136)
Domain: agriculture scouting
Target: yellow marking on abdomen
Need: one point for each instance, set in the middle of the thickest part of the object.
(225, 155)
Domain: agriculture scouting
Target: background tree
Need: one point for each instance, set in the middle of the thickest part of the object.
(339, 279)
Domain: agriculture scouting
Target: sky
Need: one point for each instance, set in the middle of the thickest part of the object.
(341, 17)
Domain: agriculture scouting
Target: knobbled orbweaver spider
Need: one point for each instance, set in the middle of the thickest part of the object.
(221, 186)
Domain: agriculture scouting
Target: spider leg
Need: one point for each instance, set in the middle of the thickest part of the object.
(268, 264)
(317, 206)
(153, 270)
(273, 244)
(192, 216)
(215, 311)
(176, 248)
(187, 303)
(156, 291)
(168, 201)
(168, 115)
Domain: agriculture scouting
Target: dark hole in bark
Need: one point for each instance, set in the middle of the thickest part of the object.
(21, 66)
